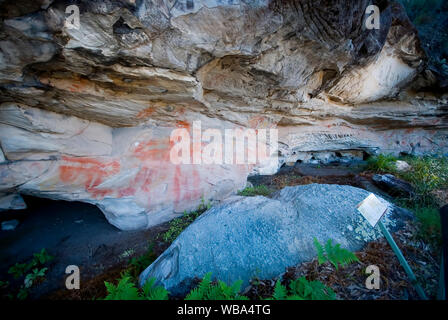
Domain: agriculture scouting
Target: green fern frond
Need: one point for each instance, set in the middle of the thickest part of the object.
(195, 294)
(153, 292)
(124, 290)
(334, 253)
(206, 290)
(311, 290)
(320, 252)
(302, 289)
(280, 291)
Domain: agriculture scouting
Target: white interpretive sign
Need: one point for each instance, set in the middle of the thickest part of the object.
(372, 209)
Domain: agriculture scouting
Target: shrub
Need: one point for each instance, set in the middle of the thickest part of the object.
(39, 258)
(42, 257)
(260, 190)
(429, 222)
(426, 175)
(381, 163)
(180, 224)
(37, 274)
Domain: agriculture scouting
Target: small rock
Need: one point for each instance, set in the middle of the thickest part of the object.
(249, 184)
(11, 201)
(393, 185)
(402, 165)
(10, 225)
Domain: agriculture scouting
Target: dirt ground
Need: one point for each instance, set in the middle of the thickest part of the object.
(78, 234)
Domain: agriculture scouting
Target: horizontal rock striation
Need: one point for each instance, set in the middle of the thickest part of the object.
(86, 113)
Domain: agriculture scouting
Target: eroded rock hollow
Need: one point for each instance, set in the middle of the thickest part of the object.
(87, 110)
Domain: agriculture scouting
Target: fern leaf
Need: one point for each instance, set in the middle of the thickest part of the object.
(206, 290)
(125, 290)
(320, 252)
(202, 290)
(336, 255)
(152, 292)
(195, 294)
(280, 292)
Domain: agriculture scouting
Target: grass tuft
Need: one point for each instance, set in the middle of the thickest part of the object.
(260, 190)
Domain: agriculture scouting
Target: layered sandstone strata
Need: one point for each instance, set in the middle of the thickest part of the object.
(86, 113)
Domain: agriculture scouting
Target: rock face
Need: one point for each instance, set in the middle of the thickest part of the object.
(393, 185)
(87, 111)
(235, 241)
(12, 201)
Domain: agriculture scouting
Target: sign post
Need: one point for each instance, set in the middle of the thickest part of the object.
(372, 209)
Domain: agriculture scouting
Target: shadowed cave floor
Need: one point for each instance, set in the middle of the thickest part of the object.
(74, 233)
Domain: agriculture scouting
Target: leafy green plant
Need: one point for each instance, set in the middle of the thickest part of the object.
(204, 206)
(381, 163)
(19, 269)
(138, 264)
(4, 284)
(280, 292)
(126, 290)
(36, 275)
(334, 254)
(180, 224)
(260, 190)
(127, 253)
(429, 224)
(207, 290)
(42, 257)
(153, 292)
(39, 258)
(302, 289)
(426, 175)
(23, 293)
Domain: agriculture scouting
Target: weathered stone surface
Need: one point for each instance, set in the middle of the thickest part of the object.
(87, 112)
(129, 174)
(31, 133)
(393, 185)
(12, 201)
(259, 237)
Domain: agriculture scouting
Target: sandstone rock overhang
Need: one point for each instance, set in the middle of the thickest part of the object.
(86, 113)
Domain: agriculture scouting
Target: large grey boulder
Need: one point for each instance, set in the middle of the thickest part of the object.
(247, 237)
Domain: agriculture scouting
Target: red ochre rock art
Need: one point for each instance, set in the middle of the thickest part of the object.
(89, 118)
